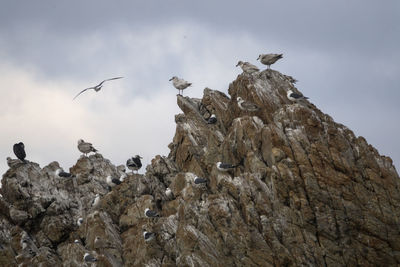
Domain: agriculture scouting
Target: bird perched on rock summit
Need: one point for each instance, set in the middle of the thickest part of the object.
(134, 163)
(19, 151)
(85, 147)
(247, 67)
(180, 84)
(269, 59)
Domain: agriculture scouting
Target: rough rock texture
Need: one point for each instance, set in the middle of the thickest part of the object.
(306, 192)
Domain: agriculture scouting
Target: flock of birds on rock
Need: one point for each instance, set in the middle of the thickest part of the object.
(134, 163)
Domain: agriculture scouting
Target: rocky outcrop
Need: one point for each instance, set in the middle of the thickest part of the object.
(306, 191)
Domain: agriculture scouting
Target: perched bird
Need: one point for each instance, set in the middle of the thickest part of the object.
(85, 147)
(76, 241)
(134, 163)
(295, 96)
(148, 236)
(248, 106)
(121, 168)
(180, 84)
(247, 67)
(96, 200)
(225, 166)
(269, 59)
(19, 151)
(150, 213)
(97, 87)
(89, 258)
(168, 192)
(212, 119)
(61, 173)
(199, 180)
(290, 78)
(12, 162)
(123, 177)
(112, 181)
(79, 221)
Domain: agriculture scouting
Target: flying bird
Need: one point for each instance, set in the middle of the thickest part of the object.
(61, 173)
(180, 84)
(269, 59)
(134, 163)
(245, 105)
(295, 96)
(199, 180)
(112, 181)
(212, 119)
(97, 87)
(247, 67)
(89, 258)
(150, 213)
(85, 147)
(225, 166)
(19, 151)
(148, 236)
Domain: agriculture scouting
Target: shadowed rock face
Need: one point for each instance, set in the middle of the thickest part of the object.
(306, 192)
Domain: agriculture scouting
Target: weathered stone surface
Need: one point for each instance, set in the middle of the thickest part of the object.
(306, 192)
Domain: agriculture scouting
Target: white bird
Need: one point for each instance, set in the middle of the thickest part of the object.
(247, 67)
(79, 221)
(85, 147)
(180, 84)
(123, 177)
(150, 213)
(245, 105)
(61, 173)
(134, 163)
(212, 119)
(295, 96)
(112, 181)
(199, 180)
(168, 192)
(76, 241)
(269, 59)
(96, 200)
(148, 236)
(97, 87)
(89, 258)
(225, 166)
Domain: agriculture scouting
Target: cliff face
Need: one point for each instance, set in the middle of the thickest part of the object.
(306, 192)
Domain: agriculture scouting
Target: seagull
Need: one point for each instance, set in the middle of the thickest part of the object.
(61, 173)
(168, 192)
(290, 78)
(248, 106)
(198, 180)
(180, 84)
(212, 119)
(247, 67)
(134, 163)
(112, 181)
(269, 59)
(89, 258)
(148, 236)
(76, 241)
(96, 201)
(97, 87)
(79, 221)
(225, 166)
(12, 162)
(85, 147)
(150, 213)
(295, 96)
(123, 177)
(19, 151)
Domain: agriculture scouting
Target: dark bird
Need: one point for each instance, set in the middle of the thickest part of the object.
(19, 151)
(269, 59)
(61, 173)
(148, 236)
(150, 213)
(295, 96)
(112, 181)
(97, 87)
(199, 180)
(89, 258)
(225, 166)
(212, 119)
(134, 163)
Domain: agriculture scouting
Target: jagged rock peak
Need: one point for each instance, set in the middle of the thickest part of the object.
(303, 190)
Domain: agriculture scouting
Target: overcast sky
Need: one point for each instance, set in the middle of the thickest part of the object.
(345, 54)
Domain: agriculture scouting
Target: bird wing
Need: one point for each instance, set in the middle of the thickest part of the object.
(226, 166)
(109, 80)
(83, 91)
(295, 95)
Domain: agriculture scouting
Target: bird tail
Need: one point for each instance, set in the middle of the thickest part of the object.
(280, 56)
(94, 149)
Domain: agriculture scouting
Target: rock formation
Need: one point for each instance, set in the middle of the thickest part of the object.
(306, 192)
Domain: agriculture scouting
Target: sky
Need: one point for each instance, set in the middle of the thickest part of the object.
(345, 54)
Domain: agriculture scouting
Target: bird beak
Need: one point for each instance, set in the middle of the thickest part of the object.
(237, 64)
